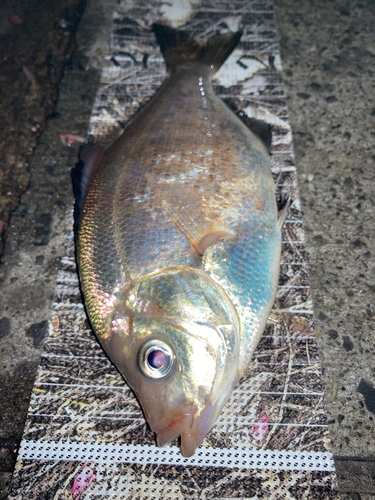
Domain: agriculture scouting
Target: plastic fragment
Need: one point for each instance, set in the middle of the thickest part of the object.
(69, 139)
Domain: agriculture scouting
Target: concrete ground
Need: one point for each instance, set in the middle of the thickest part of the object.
(328, 55)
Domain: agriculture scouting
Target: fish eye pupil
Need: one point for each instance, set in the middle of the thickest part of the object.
(156, 359)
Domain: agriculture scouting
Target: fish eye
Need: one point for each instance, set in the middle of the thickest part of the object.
(156, 359)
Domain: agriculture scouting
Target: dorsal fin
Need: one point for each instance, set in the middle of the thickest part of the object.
(178, 48)
(90, 157)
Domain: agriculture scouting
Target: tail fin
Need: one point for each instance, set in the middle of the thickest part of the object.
(177, 47)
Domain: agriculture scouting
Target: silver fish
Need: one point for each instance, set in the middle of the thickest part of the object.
(179, 245)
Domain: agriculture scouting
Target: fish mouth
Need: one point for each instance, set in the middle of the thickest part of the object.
(179, 422)
(186, 421)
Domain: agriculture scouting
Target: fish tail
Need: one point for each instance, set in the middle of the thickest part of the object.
(177, 47)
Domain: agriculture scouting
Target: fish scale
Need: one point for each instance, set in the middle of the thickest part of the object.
(179, 246)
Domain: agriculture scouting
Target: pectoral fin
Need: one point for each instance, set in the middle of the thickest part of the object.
(258, 127)
(190, 212)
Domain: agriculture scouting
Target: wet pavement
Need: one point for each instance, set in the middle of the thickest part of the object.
(37, 231)
(328, 54)
(37, 41)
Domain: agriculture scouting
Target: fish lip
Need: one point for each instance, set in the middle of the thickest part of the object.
(185, 421)
(175, 423)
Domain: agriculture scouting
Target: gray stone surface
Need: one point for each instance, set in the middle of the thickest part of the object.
(356, 496)
(37, 235)
(328, 54)
(356, 476)
(34, 245)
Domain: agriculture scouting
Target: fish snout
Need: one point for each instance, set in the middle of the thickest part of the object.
(175, 423)
(183, 421)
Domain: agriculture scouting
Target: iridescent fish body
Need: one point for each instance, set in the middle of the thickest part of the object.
(179, 245)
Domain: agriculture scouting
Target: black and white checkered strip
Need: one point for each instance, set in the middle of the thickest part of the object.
(204, 457)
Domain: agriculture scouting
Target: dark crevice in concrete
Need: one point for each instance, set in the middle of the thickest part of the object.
(5, 327)
(367, 389)
(37, 332)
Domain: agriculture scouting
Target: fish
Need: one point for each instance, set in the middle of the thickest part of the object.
(178, 243)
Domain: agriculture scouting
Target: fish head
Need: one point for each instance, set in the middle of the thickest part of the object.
(179, 352)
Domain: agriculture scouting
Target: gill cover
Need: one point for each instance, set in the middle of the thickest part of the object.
(179, 320)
